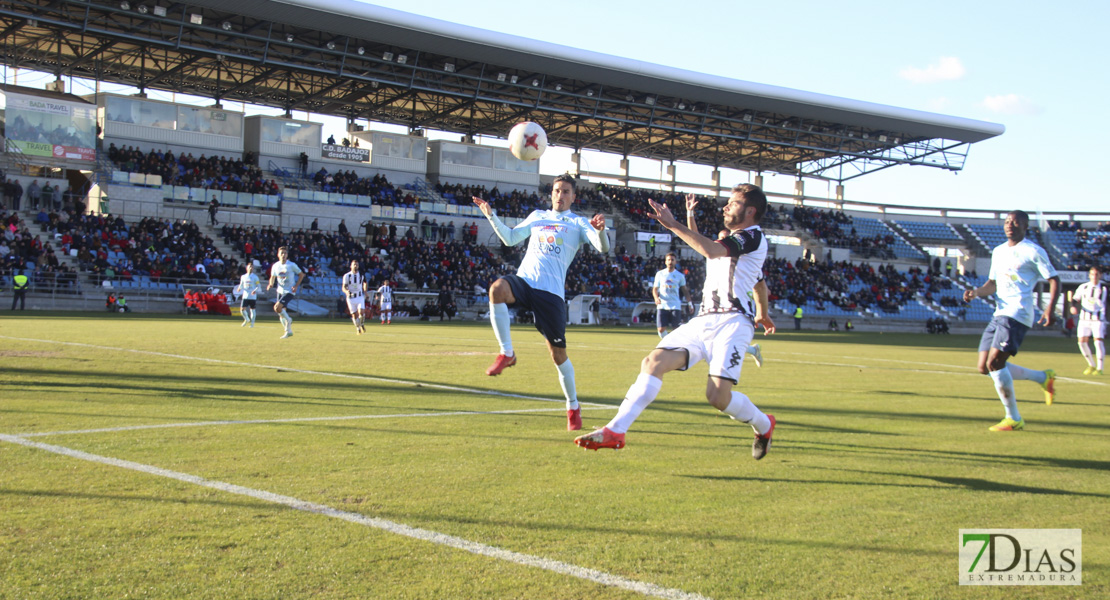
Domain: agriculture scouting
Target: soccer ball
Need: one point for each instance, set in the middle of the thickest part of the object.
(527, 141)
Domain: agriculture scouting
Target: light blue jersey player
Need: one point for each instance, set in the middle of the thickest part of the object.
(249, 284)
(668, 289)
(1016, 268)
(554, 237)
(287, 276)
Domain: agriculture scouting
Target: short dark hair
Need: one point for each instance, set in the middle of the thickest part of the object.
(670, 254)
(286, 248)
(1021, 215)
(567, 177)
(753, 197)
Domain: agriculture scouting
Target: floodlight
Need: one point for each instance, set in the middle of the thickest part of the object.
(513, 79)
(449, 67)
(649, 101)
(361, 50)
(143, 9)
(387, 56)
(160, 11)
(289, 38)
(535, 83)
(501, 77)
(402, 59)
(330, 45)
(196, 19)
(558, 87)
(125, 5)
(226, 25)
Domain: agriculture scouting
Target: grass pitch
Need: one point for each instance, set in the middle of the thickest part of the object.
(881, 455)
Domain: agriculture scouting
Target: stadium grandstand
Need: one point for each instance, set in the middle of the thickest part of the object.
(112, 192)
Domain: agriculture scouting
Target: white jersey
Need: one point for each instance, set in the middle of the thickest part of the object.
(669, 284)
(286, 276)
(553, 241)
(249, 285)
(1092, 302)
(354, 282)
(385, 293)
(729, 279)
(1016, 270)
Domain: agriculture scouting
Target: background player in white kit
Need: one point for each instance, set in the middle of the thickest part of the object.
(354, 288)
(554, 237)
(668, 290)
(1089, 302)
(385, 299)
(287, 276)
(248, 287)
(734, 299)
(1016, 267)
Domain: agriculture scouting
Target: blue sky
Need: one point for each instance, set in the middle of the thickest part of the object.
(1040, 72)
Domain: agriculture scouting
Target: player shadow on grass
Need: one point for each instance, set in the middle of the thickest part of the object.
(977, 458)
(945, 483)
(181, 501)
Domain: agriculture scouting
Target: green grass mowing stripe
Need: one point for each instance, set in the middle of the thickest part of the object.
(647, 589)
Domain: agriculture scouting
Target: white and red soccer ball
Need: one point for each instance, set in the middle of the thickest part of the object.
(527, 141)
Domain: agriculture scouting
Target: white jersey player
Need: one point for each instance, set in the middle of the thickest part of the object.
(354, 289)
(1016, 268)
(1089, 302)
(385, 303)
(734, 300)
(287, 276)
(554, 237)
(248, 288)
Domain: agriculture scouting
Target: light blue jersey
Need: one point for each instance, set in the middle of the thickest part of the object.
(553, 241)
(286, 276)
(249, 285)
(669, 283)
(1016, 270)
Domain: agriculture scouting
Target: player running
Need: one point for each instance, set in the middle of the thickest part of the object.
(282, 274)
(248, 288)
(354, 288)
(734, 300)
(1089, 302)
(385, 298)
(1016, 267)
(668, 290)
(554, 237)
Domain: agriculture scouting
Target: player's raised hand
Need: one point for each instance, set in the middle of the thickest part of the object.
(598, 221)
(662, 213)
(691, 202)
(482, 205)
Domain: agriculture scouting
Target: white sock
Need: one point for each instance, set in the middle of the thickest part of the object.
(742, 409)
(662, 334)
(566, 380)
(1086, 352)
(254, 313)
(1022, 373)
(281, 317)
(1004, 385)
(1100, 352)
(288, 320)
(499, 317)
(639, 396)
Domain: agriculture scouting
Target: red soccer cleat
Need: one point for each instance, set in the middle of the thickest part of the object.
(574, 419)
(762, 443)
(501, 363)
(601, 438)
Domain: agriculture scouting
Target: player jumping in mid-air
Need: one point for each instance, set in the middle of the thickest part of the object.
(248, 287)
(554, 237)
(354, 289)
(1089, 302)
(1016, 267)
(385, 299)
(287, 276)
(734, 300)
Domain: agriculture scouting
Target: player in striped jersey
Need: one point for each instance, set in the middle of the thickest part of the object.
(734, 300)
(385, 297)
(1089, 302)
(354, 287)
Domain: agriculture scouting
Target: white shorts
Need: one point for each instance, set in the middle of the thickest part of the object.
(1095, 329)
(719, 340)
(357, 303)
(387, 306)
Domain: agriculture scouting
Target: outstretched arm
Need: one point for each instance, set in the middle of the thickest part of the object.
(509, 236)
(691, 209)
(597, 236)
(703, 245)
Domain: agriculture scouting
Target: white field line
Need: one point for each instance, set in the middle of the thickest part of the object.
(437, 386)
(294, 420)
(601, 577)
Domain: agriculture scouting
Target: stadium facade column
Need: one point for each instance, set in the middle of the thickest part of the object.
(624, 171)
(799, 188)
(758, 181)
(575, 163)
(671, 174)
(716, 179)
(840, 192)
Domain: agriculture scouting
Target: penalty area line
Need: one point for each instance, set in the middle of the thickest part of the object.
(437, 386)
(442, 539)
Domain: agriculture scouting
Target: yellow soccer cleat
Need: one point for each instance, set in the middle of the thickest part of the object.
(1089, 371)
(1049, 386)
(1009, 424)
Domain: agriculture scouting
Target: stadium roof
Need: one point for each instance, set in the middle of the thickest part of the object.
(356, 60)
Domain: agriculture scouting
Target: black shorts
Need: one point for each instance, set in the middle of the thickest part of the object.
(668, 319)
(247, 303)
(549, 309)
(285, 299)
